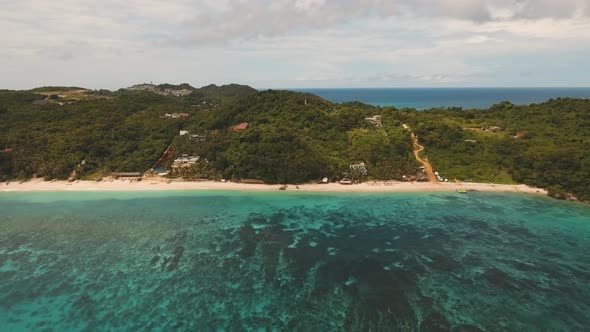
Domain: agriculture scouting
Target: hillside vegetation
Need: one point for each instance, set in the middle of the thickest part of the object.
(292, 137)
(544, 145)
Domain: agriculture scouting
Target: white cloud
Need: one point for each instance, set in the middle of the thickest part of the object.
(255, 18)
(283, 42)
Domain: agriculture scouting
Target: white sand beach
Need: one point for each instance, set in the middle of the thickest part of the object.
(159, 185)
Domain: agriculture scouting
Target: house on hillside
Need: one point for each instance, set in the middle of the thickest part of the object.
(376, 120)
(158, 90)
(177, 93)
(241, 127)
(143, 87)
(185, 161)
(177, 115)
(492, 129)
(520, 135)
(7, 150)
(360, 168)
(198, 138)
(184, 132)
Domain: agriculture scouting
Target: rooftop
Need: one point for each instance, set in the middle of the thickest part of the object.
(241, 126)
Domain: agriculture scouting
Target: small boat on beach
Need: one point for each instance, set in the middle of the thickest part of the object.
(462, 191)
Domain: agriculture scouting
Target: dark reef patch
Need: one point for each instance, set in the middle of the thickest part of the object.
(435, 322)
(382, 292)
(248, 238)
(500, 279)
(466, 328)
(155, 260)
(178, 253)
(273, 240)
(444, 263)
(516, 230)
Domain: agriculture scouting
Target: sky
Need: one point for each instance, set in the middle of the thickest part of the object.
(295, 44)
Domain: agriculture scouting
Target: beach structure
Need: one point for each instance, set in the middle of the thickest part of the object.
(346, 181)
(161, 171)
(251, 181)
(421, 176)
(241, 127)
(360, 168)
(376, 120)
(126, 174)
(185, 161)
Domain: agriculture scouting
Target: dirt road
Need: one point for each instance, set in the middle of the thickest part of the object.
(417, 149)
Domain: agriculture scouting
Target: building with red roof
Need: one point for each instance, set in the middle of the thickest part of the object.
(241, 126)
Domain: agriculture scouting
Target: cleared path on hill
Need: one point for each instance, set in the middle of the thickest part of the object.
(417, 149)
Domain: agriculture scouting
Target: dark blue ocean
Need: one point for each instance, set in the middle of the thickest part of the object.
(426, 98)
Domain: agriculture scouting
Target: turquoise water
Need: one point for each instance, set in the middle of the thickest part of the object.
(427, 98)
(217, 261)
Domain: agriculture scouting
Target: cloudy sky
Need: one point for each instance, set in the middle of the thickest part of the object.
(295, 43)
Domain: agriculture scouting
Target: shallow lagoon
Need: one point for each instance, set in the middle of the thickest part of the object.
(292, 261)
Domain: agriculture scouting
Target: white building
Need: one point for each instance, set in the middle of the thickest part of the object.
(185, 161)
(376, 120)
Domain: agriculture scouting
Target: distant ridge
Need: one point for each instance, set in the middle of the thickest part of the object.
(57, 88)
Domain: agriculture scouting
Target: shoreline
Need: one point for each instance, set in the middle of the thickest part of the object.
(159, 185)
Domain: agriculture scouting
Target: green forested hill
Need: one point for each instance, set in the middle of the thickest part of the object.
(293, 137)
(552, 149)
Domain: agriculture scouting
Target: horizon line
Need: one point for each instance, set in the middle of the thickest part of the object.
(324, 88)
